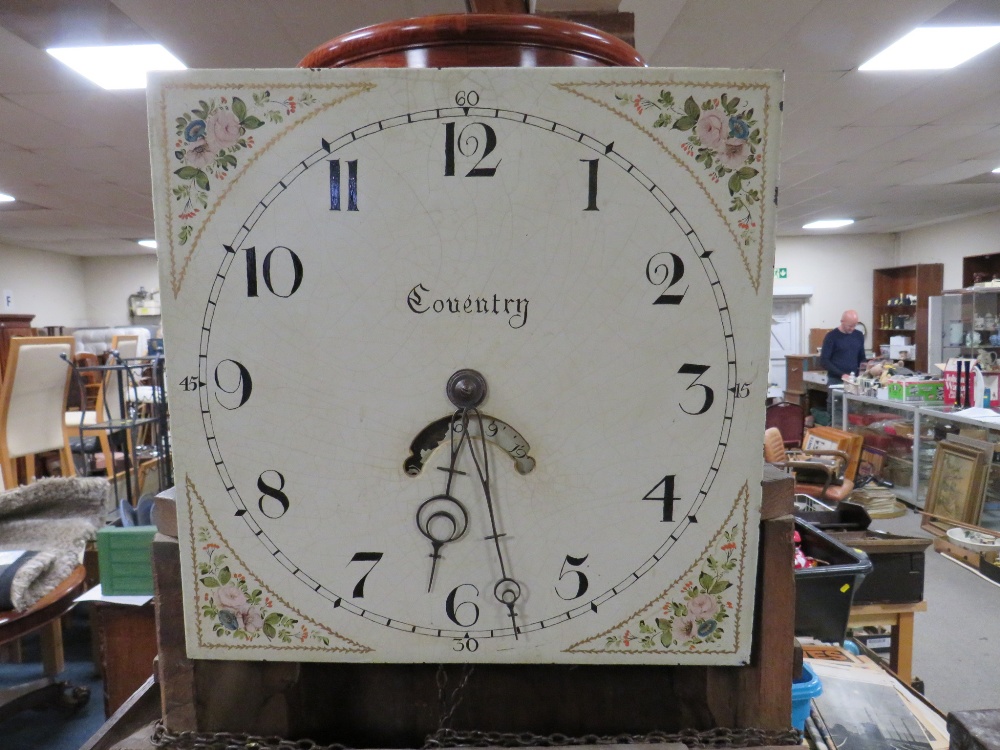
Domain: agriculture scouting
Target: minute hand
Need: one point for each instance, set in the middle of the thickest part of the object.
(507, 591)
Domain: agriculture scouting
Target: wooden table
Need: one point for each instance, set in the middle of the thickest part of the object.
(44, 618)
(900, 617)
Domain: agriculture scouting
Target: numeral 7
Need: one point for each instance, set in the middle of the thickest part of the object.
(373, 558)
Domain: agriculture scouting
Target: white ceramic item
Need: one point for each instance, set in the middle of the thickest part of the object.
(974, 540)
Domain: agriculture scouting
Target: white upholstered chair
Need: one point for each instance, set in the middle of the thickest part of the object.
(33, 402)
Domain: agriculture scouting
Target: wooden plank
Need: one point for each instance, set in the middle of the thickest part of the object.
(134, 715)
(766, 689)
(176, 671)
(127, 636)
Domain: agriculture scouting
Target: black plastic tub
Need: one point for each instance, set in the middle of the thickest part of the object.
(823, 595)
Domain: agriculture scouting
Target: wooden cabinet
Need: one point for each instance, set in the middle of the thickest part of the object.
(10, 326)
(987, 267)
(795, 365)
(899, 307)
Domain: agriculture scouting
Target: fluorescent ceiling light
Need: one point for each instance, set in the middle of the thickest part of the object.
(996, 171)
(935, 48)
(4, 198)
(148, 243)
(121, 67)
(828, 224)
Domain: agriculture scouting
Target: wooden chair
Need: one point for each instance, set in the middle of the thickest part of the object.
(32, 404)
(107, 406)
(83, 390)
(790, 419)
(819, 474)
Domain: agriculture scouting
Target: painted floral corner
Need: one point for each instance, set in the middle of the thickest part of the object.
(724, 138)
(212, 138)
(234, 610)
(696, 617)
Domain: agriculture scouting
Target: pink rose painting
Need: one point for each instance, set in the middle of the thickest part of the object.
(231, 597)
(222, 129)
(712, 128)
(702, 606)
(684, 628)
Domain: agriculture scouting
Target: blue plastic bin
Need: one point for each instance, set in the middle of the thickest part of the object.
(803, 691)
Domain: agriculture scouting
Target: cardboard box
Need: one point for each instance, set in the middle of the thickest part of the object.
(923, 391)
(124, 559)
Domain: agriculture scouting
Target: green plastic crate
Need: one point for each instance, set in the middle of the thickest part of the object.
(125, 561)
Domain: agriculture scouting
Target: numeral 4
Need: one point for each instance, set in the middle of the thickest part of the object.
(663, 492)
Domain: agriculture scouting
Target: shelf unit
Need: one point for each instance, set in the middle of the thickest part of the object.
(922, 280)
(980, 313)
(11, 326)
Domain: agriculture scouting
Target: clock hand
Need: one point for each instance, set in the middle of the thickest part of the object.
(507, 591)
(442, 518)
(467, 389)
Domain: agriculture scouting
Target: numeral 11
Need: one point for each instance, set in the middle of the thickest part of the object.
(352, 185)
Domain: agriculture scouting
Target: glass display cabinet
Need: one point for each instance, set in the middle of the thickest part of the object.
(905, 437)
(981, 320)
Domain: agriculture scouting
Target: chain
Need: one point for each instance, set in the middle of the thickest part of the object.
(449, 738)
(229, 741)
(448, 703)
(720, 737)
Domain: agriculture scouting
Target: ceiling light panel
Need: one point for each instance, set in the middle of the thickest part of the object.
(935, 48)
(117, 67)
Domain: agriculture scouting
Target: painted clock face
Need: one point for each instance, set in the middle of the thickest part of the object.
(467, 365)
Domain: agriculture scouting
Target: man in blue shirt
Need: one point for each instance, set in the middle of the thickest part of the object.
(843, 348)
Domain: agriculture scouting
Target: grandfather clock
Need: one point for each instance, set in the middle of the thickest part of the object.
(478, 324)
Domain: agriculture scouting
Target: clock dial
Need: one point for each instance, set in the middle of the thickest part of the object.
(477, 361)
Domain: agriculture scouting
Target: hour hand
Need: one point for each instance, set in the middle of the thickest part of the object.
(441, 519)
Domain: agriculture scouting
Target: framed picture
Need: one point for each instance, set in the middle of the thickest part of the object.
(832, 439)
(957, 484)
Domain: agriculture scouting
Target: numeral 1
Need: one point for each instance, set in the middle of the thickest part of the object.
(352, 185)
(591, 184)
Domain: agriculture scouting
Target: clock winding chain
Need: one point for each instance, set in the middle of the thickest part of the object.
(448, 738)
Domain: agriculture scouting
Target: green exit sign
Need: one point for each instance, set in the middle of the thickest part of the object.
(781, 273)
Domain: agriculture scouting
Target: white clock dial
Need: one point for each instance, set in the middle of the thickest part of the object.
(474, 382)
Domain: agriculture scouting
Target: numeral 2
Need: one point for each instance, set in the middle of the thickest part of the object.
(468, 144)
(660, 271)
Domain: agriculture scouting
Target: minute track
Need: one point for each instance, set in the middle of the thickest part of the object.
(602, 150)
